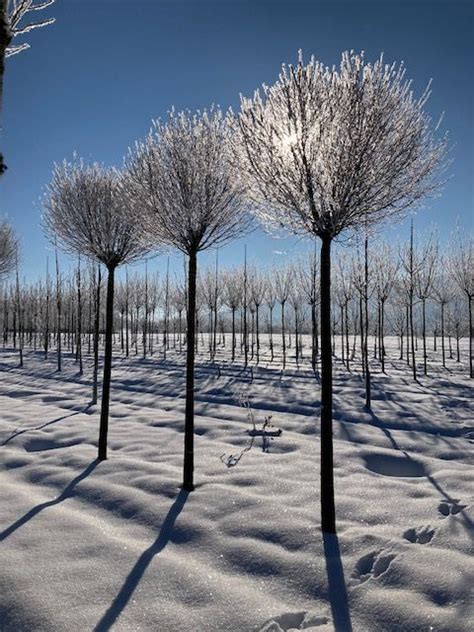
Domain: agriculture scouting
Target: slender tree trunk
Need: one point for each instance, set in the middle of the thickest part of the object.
(109, 323)
(346, 310)
(361, 327)
(313, 336)
(257, 333)
(366, 316)
(233, 333)
(382, 335)
(283, 343)
(471, 372)
(328, 512)
(443, 347)
(423, 333)
(95, 372)
(272, 354)
(412, 336)
(188, 470)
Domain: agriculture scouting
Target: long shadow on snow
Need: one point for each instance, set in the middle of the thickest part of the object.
(67, 492)
(135, 575)
(468, 523)
(48, 423)
(337, 586)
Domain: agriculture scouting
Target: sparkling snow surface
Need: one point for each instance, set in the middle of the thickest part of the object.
(117, 545)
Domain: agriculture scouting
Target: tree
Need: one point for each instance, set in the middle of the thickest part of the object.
(461, 265)
(184, 179)
(283, 284)
(8, 248)
(326, 151)
(12, 13)
(86, 211)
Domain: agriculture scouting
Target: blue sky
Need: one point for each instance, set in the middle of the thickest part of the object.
(93, 81)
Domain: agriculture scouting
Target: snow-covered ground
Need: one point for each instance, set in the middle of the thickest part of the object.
(118, 545)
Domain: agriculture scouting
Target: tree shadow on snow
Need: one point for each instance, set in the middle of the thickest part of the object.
(137, 572)
(336, 584)
(48, 423)
(67, 492)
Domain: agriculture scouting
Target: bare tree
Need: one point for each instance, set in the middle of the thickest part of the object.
(184, 178)
(86, 212)
(12, 14)
(385, 270)
(461, 265)
(325, 151)
(233, 295)
(8, 248)
(17, 12)
(283, 285)
(424, 278)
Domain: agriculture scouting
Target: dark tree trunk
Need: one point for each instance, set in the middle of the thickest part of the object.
(96, 338)
(328, 512)
(283, 343)
(257, 333)
(382, 335)
(109, 323)
(443, 347)
(188, 470)
(366, 318)
(272, 355)
(425, 355)
(233, 334)
(313, 337)
(471, 373)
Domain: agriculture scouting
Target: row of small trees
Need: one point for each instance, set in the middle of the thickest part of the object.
(246, 302)
(320, 153)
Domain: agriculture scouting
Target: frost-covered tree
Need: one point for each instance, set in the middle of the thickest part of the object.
(461, 265)
(283, 283)
(12, 24)
(17, 11)
(8, 248)
(85, 211)
(233, 296)
(186, 183)
(325, 151)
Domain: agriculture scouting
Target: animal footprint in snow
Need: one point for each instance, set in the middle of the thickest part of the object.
(422, 535)
(371, 565)
(450, 508)
(294, 621)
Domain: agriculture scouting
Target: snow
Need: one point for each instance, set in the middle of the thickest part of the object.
(117, 545)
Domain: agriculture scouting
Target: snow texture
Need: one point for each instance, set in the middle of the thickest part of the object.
(117, 545)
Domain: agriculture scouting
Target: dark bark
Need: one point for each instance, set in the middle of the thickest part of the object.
(425, 355)
(283, 343)
(443, 347)
(95, 372)
(328, 513)
(109, 322)
(313, 336)
(471, 373)
(188, 470)
(233, 333)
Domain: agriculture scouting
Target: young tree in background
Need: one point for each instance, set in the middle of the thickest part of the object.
(184, 179)
(86, 212)
(283, 285)
(461, 265)
(325, 151)
(8, 248)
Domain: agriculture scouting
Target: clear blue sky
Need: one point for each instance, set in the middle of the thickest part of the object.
(93, 81)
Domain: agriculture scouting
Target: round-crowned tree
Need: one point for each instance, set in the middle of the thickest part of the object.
(86, 212)
(185, 180)
(325, 151)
